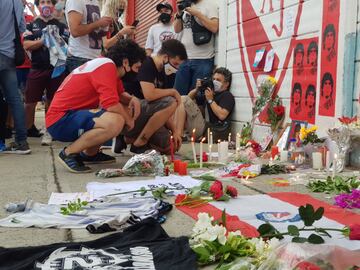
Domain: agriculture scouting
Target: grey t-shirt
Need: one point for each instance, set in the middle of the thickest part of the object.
(7, 30)
(206, 51)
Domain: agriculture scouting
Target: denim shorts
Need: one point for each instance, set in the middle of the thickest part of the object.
(73, 124)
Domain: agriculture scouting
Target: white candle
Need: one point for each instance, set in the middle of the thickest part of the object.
(223, 152)
(193, 134)
(317, 161)
(237, 142)
(229, 138)
(201, 152)
(208, 136)
(328, 162)
(334, 166)
(284, 156)
(237, 153)
(218, 145)
(271, 162)
(211, 138)
(193, 149)
(210, 146)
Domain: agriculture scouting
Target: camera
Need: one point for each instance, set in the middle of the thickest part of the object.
(184, 4)
(205, 84)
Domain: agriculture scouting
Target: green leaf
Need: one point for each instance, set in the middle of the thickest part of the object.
(293, 230)
(319, 213)
(223, 218)
(299, 240)
(203, 254)
(224, 198)
(315, 239)
(266, 229)
(307, 214)
(84, 203)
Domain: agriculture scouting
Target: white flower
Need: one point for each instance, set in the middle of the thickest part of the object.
(217, 232)
(204, 222)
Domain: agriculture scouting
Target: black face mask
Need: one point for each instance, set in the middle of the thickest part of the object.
(165, 18)
(120, 12)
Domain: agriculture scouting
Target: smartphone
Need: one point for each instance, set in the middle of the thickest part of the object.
(135, 23)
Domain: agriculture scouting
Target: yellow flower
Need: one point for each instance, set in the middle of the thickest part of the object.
(303, 133)
(272, 80)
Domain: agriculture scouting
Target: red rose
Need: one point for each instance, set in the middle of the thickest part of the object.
(307, 266)
(279, 110)
(216, 189)
(232, 191)
(205, 157)
(354, 232)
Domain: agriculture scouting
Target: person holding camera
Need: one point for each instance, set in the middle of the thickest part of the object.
(219, 105)
(197, 21)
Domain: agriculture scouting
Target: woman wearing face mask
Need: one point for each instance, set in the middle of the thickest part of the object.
(59, 11)
(161, 31)
(116, 30)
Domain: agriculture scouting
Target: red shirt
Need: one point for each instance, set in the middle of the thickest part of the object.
(92, 85)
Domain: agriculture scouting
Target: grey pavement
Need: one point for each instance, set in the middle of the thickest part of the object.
(37, 175)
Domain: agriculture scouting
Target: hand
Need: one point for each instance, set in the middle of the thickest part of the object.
(193, 11)
(209, 94)
(177, 96)
(128, 30)
(198, 84)
(177, 141)
(104, 21)
(30, 6)
(135, 107)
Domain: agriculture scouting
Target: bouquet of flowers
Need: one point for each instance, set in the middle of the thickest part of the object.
(352, 123)
(350, 201)
(147, 164)
(308, 135)
(213, 243)
(265, 90)
(245, 135)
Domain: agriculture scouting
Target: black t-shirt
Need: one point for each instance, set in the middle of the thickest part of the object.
(40, 58)
(132, 85)
(142, 246)
(226, 101)
(149, 73)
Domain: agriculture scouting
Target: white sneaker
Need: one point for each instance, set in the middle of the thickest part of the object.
(46, 139)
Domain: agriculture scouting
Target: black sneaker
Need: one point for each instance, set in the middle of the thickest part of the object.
(8, 133)
(18, 148)
(34, 132)
(118, 145)
(97, 159)
(139, 149)
(73, 163)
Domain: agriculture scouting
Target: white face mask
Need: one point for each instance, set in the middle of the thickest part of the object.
(170, 69)
(217, 86)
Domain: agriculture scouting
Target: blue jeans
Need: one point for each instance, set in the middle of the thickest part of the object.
(11, 93)
(73, 62)
(190, 71)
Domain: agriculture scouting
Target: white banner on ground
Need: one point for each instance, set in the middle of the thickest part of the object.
(65, 198)
(180, 183)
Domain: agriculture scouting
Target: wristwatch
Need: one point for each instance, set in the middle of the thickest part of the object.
(210, 101)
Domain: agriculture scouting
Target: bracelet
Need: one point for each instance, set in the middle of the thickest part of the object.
(178, 17)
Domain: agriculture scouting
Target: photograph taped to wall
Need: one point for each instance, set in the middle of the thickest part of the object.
(283, 137)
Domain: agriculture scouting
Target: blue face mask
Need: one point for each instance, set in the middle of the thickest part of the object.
(59, 6)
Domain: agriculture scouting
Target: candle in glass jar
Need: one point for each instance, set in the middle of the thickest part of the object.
(317, 161)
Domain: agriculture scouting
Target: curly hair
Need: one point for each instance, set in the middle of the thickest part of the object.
(126, 49)
(327, 77)
(226, 73)
(312, 45)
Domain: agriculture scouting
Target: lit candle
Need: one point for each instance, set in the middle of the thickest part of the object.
(211, 138)
(317, 161)
(237, 142)
(334, 166)
(219, 141)
(201, 152)
(210, 146)
(193, 149)
(172, 148)
(193, 134)
(229, 138)
(208, 135)
(237, 153)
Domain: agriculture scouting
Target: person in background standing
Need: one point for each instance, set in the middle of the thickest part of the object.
(87, 28)
(12, 17)
(162, 31)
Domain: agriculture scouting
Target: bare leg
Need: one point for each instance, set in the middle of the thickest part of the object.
(30, 114)
(107, 126)
(180, 118)
(155, 122)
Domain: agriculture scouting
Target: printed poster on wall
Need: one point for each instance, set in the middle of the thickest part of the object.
(329, 53)
(303, 91)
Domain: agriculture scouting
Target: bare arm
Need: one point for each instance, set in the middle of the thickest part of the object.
(151, 93)
(77, 29)
(109, 42)
(192, 93)
(220, 112)
(178, 25)
(32, 45)
(210, 24)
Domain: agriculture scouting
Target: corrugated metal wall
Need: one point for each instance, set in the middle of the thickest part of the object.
(145, 12)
